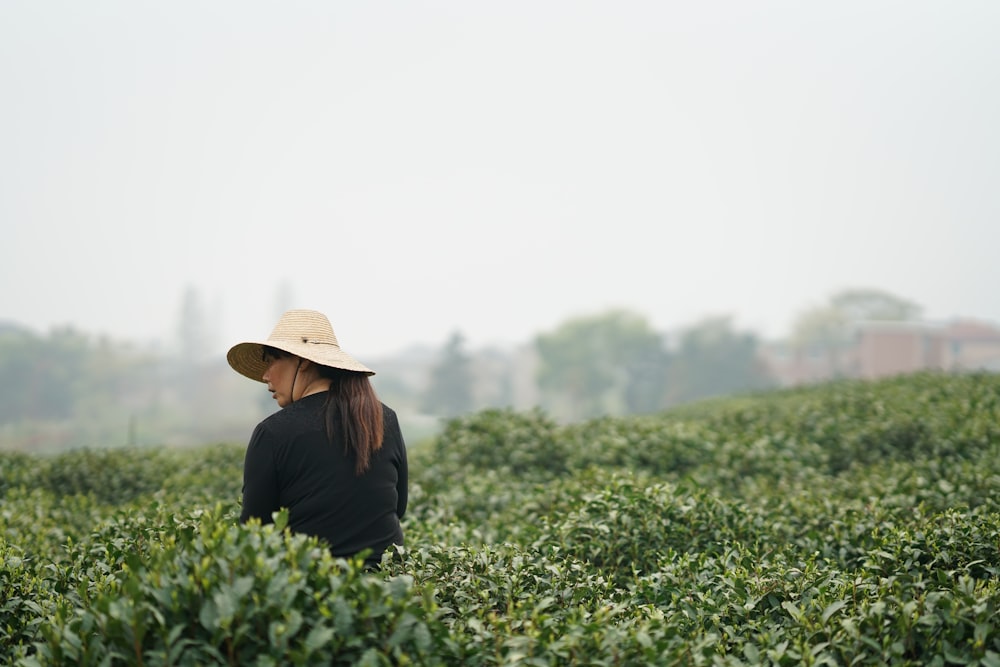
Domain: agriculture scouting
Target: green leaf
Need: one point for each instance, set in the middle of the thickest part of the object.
(832, 609)
(318, 638)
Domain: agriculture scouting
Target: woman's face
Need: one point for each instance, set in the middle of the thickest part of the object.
(280, 377)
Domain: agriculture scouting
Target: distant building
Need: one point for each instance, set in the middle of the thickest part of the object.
(883, 349)
(972, 345)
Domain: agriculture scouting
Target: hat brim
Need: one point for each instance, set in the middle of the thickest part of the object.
(247, 358)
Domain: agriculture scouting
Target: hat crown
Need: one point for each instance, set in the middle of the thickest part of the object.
(304, 333)
(304, 326)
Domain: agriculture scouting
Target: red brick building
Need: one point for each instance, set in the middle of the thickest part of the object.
(882, 349)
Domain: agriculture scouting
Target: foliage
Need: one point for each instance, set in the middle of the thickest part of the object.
(846, 524)
(63, 375)
(614, 364)
(68, 390)
(828, 328)
(518, 443)
(450, 390)
(199, 589)
(193, 331)
(713, 359)
(603, 364)
(874, 304)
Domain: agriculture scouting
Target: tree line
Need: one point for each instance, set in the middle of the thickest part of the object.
(66, 388)
(617, 363)
(612, 363)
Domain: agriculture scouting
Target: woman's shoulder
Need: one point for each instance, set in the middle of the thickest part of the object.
(391, 430)
(389, 416)
(301, 413)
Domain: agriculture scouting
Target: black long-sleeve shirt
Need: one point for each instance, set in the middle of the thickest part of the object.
(291, 463)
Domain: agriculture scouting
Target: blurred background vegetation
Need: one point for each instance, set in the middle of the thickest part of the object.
(66, 388)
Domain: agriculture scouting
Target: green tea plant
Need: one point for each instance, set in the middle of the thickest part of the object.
(852, 523)
(202, 590)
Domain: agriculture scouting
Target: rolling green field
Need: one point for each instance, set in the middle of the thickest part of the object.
(847, 524)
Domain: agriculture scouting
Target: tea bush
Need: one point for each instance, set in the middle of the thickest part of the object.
(851, 523)
(23, 601)
(202, 590)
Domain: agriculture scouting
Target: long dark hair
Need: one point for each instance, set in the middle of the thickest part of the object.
(352, 396)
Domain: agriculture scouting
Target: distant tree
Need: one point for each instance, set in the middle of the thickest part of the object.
(393, 390)
(41, 376)
(828, 329)
(502, 394)
(74, 390)
(283, 299)
(603, 364)
(713, 359)
(858, 305)
(193, 335)
(832, 322)
(646, 365)
(449, 393)
(190, 378)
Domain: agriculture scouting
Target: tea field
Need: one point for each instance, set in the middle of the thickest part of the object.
(845, 524)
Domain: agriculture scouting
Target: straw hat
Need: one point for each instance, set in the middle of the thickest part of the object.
(304, 333)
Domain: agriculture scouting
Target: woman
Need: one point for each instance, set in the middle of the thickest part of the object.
(334, 454)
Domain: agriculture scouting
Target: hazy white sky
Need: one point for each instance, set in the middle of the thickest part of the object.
(414, 168)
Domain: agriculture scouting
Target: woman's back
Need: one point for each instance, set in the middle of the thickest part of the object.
(290, 462)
